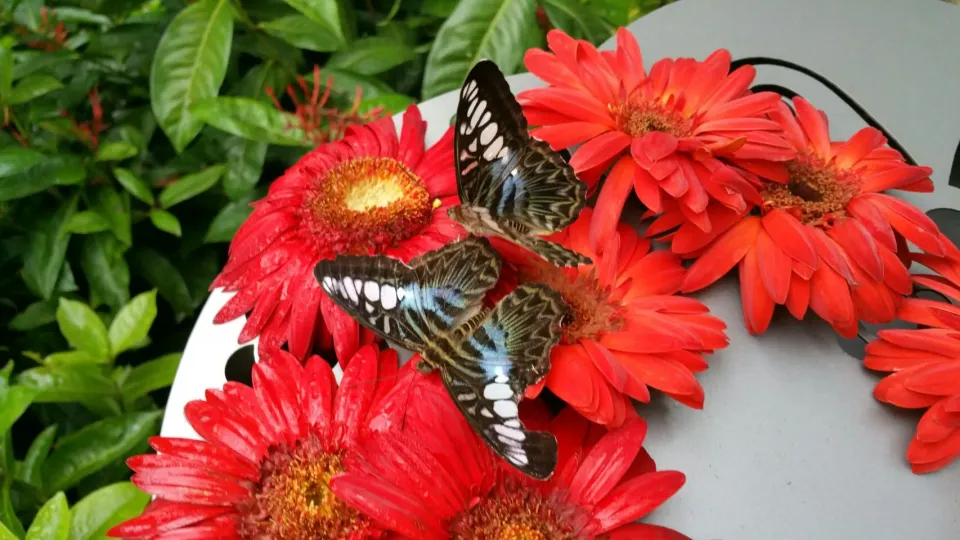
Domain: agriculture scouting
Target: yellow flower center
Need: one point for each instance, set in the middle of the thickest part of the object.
(816, 193)
(294, 500)
(365, 205)
(591, 313)
(637, 117)
(514, 513)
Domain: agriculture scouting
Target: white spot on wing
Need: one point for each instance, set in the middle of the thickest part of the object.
(371, 290)
(388, 297)
(348, 284)
(501, 377)
(475, 117)
(505, 408)
(486, 413)
(488, 132)
(400, 294)
(494, 149)
(368, 307)
(497, 391)
(519, 459)
(513, 422)
(510, 432)
(473, 105)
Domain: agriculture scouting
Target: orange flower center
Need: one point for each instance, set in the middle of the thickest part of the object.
(365, 205)
(817, 193)
(294, 500)
(637, 117)
(513, 513)
(592, 314)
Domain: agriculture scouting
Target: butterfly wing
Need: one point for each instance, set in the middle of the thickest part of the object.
(503, 170)
(409, 304)
(495, 362)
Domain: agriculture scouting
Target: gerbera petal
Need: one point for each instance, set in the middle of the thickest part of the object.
(345, 330)
(629, 60)
(791, 236)
(549, 68)
(644, 531)
(857, 242)
(613, 195)
(873, 221)
(565, 135)
(814, 126)
(607, 462)
(857, 147)
(599, 150)
(798, 298)
(317, 393)
(637, 498)
(392, 507)
(776, 267)
(830, 298)
(723, 255)
(909, 221)
(755, 300)
(576, 104)
(570, 373)
(356, 391)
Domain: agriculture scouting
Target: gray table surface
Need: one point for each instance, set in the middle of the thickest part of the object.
(791, 445)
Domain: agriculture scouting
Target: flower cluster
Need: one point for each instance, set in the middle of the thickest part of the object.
(730, 177)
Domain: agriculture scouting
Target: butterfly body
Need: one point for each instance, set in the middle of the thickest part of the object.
(486, 357)
(510, 184)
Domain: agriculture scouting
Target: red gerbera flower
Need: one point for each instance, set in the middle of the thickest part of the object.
(436, 479)
(368, 193)
(664, 131)
(926, 367)
(626, 331)
(263, 468)
(826, 238)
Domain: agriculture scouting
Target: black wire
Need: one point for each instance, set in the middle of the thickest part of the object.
(867, 117)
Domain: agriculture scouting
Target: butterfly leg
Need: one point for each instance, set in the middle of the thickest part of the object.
(424, 367)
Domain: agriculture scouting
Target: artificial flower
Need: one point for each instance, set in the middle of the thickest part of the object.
(626, 329)
(926, 367)
(827, 237)
(435, 479)
(369, 193)
(662, 132)
(267, 454)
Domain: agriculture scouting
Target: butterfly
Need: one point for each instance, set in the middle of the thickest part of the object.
(511, 185)
(486, 357)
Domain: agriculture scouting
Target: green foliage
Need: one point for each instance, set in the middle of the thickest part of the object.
(134, 135)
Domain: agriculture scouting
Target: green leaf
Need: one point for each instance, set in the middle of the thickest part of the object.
(106, 270)
(5, 533)
(14, 160)
(83, 328)
(228, 220)
(110, 205)
(165, 221)
(60, 384)
(59, 170)
(87, 222)
(72, 358)
(14, 401)
(245, 160)
(115, 151)
(98, 512)
(47, 249)
(305, 33)
(133, 322)
(32, 87)
(162, 274)
(52, 521)
(578, 18)
(345, 83)
(391, 103)
(189, 65)
(79, 15)
(372, 55)
(132, 183)
(31, 468)
(7, 514)
(438, 8)
(149, 376)
(323, 12)
(251, 119)
(498, 30)
(190, 186)
(6, 67)
(93, 447)
(35, 315)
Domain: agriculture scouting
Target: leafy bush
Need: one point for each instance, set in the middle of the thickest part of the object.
(134, 137)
